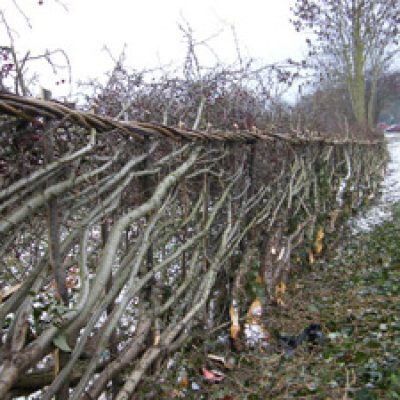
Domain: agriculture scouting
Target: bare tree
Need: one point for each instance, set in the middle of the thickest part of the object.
(351, 42)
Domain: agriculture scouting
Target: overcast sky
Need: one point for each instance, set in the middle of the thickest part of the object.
(150, 30)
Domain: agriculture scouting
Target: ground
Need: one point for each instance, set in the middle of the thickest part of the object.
(354, 292)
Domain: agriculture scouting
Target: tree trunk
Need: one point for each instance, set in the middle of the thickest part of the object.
(358, 80)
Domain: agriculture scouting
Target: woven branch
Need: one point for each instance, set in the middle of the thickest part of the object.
(29, 109)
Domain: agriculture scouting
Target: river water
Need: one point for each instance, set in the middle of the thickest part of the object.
(390, 190)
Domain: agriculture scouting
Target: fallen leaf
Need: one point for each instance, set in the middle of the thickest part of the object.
(184, 381)
(177, 394)
(213, 375)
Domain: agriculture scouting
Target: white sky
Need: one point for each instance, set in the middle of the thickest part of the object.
(150, 30)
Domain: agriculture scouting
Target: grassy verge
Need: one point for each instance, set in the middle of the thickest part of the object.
(354, 292)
